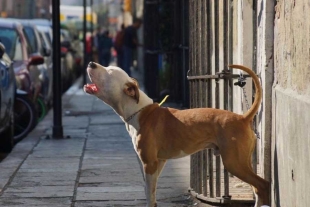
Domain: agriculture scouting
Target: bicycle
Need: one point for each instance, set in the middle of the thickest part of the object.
(25, 115)
(41, 108)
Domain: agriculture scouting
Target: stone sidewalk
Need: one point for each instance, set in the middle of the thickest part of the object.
(94, 165)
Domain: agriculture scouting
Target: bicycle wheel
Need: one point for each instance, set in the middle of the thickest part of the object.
(41, 108)
(25, 117)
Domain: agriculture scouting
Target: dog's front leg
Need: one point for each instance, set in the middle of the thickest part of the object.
(152, 172)
(150, 189)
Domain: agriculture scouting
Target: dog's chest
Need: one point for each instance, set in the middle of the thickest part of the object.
(133, 132)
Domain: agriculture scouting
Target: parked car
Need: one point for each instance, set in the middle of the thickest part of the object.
(27, 74)
(7, 94)
(41, 22)
(49, 62)
(39, 48)
(45, 27)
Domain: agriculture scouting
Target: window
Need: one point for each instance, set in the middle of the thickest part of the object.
(31, 39)
(8, 37)
(18, 52)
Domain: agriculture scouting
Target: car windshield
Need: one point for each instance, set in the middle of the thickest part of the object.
(46, 30)
(11, 41)
(49, 38)
(31, 37)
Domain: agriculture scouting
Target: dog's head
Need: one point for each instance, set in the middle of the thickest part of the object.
(111, 84)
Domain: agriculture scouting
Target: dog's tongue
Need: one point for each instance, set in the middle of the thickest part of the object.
(92, 87)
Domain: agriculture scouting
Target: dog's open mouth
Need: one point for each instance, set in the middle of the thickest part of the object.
(90, 88)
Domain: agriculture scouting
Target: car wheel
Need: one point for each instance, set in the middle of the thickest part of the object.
(7, 137)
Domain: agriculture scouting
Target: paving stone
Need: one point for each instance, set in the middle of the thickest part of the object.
(41, 175)
(177, 184)
(135, 203)
(110, 172)
(50, 166)
(36, 202)
(109, 145)
(115, 130)
(46, 161)
(99, 153)
(46, 179)
(39, 192)
(100, 105)
(115, 183)
(111, 179)
(3, 182)
(103, 165)
(110, 193)
(106, 119)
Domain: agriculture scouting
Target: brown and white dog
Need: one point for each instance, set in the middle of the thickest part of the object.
(159, 134)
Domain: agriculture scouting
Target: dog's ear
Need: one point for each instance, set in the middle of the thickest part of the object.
(135, 81)
(132, 90)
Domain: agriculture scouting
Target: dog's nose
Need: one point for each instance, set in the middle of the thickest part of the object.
(92, 65)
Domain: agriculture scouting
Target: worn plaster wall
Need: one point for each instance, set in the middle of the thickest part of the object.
(291, 104)
(265, 70)
(246, 33)
(244, 47)
(262, 32)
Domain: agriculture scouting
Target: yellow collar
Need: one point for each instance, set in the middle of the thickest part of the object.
(163, 101)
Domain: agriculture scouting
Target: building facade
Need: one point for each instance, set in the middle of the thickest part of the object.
(272, 37)
(26, 9)
(291, 104)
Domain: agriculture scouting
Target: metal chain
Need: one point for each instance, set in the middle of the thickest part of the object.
(248, 105)
(245, 98)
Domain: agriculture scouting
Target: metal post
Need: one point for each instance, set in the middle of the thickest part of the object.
(57, 127)
(227, 81)
(91, 28)
(84, 38)
(209, 45)
(217, 90)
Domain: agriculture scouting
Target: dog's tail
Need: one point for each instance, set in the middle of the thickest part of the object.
(249, 115)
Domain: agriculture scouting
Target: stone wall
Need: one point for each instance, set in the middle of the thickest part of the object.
(291, 104)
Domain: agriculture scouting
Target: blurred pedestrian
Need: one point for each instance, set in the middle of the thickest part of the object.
(130, 44)
(118, 45)
(105, 45)
(96, 36)
(88, 47)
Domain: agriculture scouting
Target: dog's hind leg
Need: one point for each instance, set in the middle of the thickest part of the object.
(239, 164)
